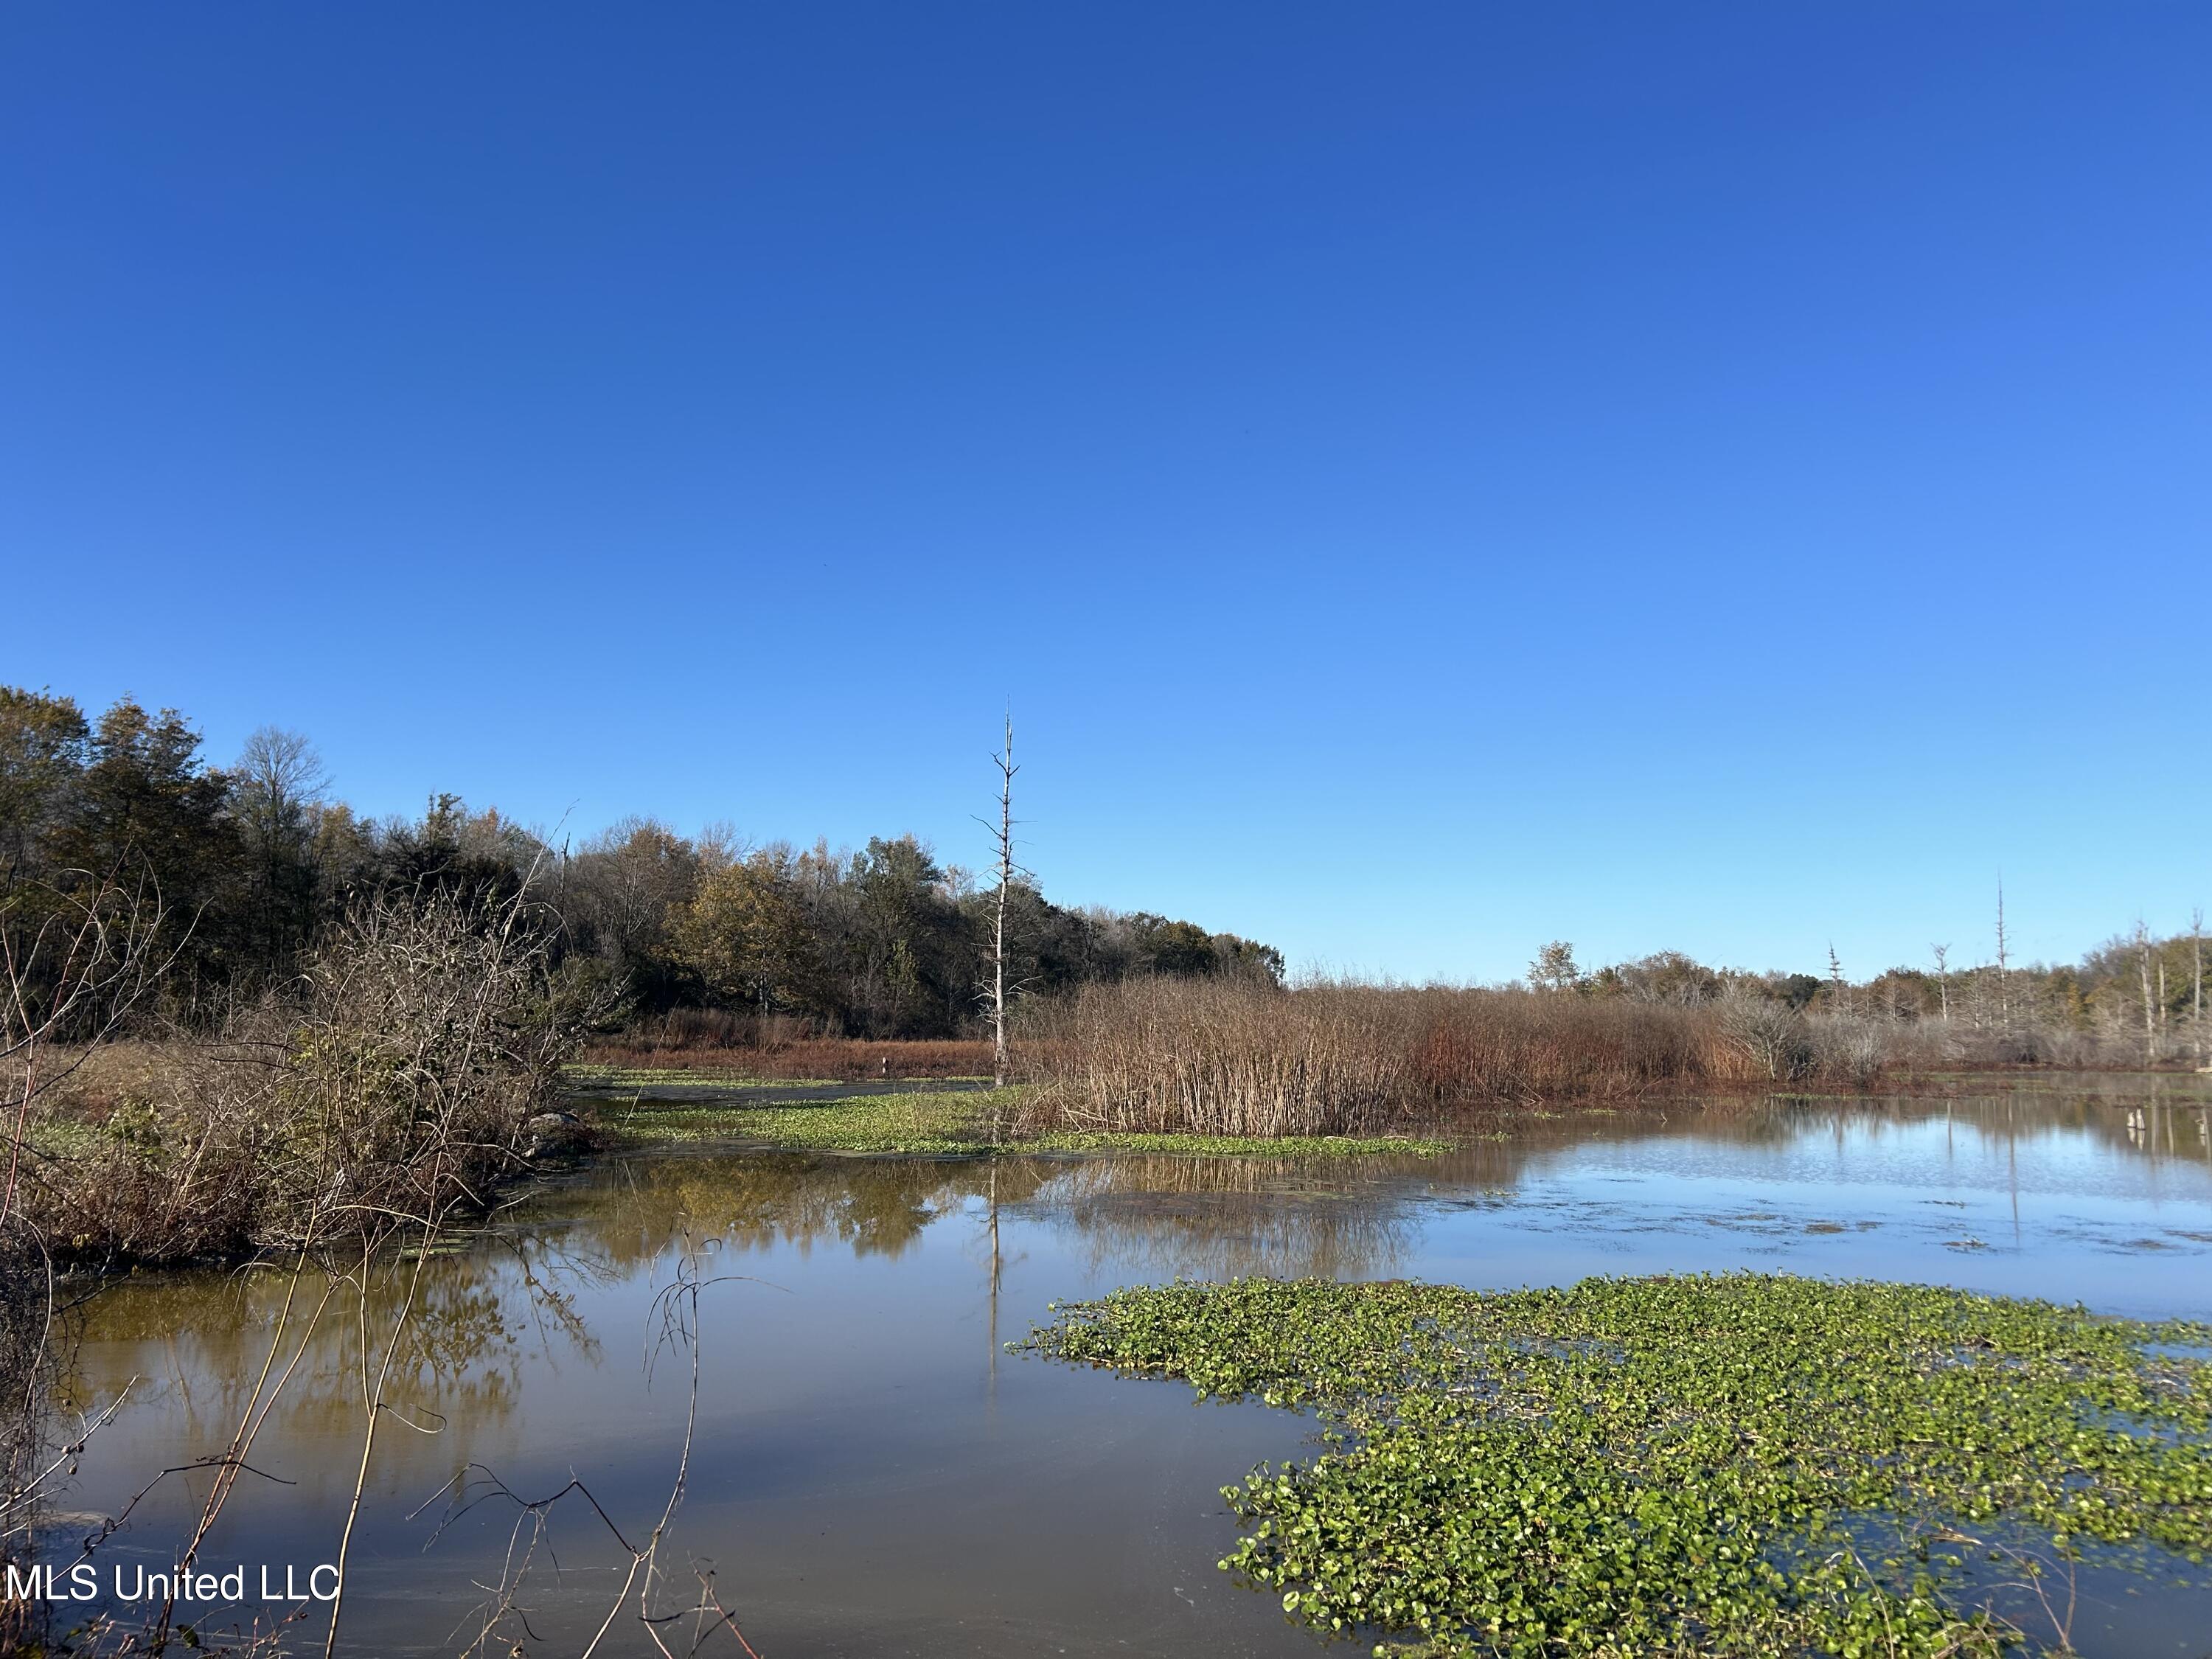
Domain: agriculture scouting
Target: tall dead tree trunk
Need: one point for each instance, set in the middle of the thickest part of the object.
(2004, 993)
(2197, 971)
(2150, 1008)
(1002, 837)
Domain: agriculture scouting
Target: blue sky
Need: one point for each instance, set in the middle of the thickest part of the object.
(1431, 479)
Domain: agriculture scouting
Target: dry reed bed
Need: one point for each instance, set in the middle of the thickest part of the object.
(1223, 1057)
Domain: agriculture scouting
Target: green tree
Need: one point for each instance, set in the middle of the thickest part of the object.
(744, 933)
(1555, 968)
(45, 746)
(147, 805)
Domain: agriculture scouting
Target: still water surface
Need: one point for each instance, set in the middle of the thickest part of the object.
(872, 1474)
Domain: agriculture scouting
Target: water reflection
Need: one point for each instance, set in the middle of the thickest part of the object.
(872, 1475)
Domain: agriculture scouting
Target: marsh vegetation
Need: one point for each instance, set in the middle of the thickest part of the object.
(1240, 1058)
(870, 1465)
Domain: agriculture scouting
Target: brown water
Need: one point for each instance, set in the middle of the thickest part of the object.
(872, 1475)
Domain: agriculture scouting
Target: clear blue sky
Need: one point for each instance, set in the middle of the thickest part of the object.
(1432, 478)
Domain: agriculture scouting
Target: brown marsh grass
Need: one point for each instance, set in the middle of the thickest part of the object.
(1227, 1057)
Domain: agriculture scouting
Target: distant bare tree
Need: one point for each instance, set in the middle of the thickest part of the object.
(281, 770)
(2149, 1007)
(1002, 840)
(2004, 991)
(1943, 977)
(2196, 979)
(278, 784)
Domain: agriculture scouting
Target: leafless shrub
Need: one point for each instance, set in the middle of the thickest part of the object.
(395, 1083)
(1846, 1045)
(433, 1032)
(1768, 1031)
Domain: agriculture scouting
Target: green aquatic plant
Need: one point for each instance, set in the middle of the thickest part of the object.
(943, 1121)
(1245, 1145)
(1742, 1465)
(920, 1120)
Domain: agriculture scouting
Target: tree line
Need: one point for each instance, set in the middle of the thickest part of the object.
(254, 861)
(2139, 987)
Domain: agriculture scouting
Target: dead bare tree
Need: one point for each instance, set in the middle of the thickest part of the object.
(1002, 840)
(2004, 987)
(279, 783)
(2149, 1007)
(1943, 978)
(2196, 979)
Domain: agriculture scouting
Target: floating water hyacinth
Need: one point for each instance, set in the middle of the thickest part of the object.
(1741, 1464)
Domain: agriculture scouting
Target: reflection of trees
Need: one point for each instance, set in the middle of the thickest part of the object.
(206, 1337)
(2156, 1118)
(1154, 1215)
(1163, 1217)
(873, 1205)
(2152, 1117)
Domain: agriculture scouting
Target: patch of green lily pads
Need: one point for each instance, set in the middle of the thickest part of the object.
(924, 1121)
(947, 1121)
(1683, 1465)
(1245, 1145)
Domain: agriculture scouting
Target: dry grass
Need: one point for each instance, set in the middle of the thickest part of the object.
(1222, 1057)
(1505, 1046)
(1232, 1058)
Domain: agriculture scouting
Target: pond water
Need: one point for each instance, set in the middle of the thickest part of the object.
(872, 1474)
